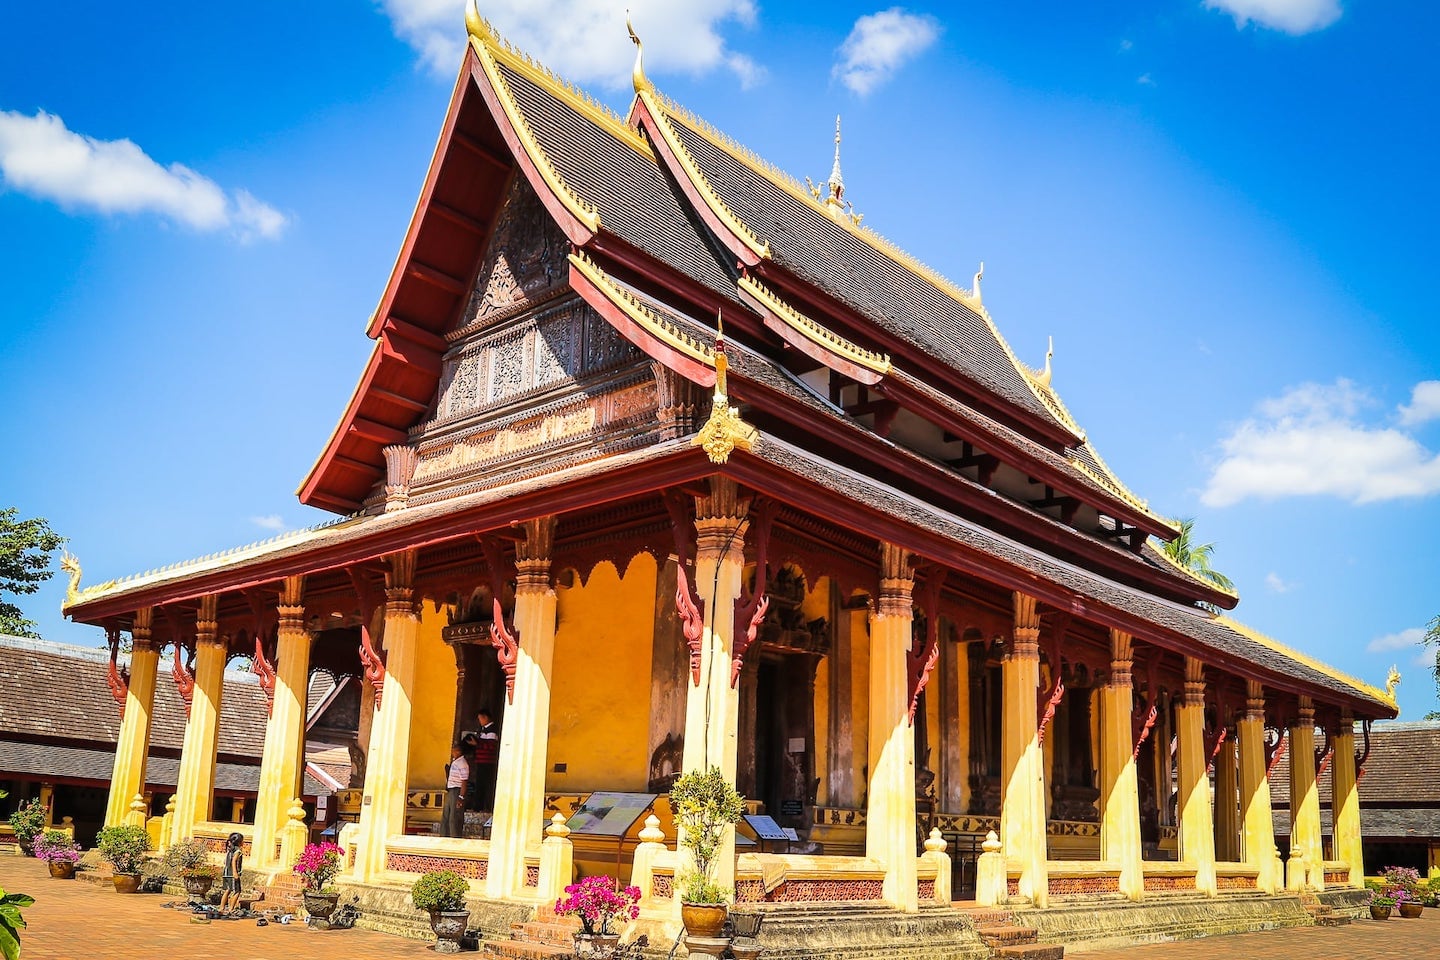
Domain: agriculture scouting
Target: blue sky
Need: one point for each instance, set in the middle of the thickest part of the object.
(1221, 211)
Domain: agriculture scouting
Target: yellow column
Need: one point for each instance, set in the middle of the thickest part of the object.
(1119, 780)
(387, 766)
(1258, 842)
(890, 812)
(1345, 802)
(1197, 829)
(128, 777)
(1022, 770)
(1305, 795)
(282, 763)
(520, 775)
(712, 707)
(1227, 810)
(195, 794)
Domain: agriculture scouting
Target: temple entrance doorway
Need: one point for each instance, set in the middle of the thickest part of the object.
(784, 760)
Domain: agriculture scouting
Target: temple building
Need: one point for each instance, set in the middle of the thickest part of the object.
(667, 461)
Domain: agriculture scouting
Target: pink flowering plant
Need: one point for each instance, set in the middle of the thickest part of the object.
(55, 846)
(318, 865)
(596, 901)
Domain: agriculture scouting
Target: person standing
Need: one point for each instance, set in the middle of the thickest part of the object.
(230, 878)
(457, 779)
(487, 760)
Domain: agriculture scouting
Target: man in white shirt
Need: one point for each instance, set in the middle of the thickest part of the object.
(457, 779)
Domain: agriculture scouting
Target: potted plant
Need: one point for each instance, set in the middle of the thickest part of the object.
(1380, 906)
(317, 867)
(441, 893)
(1403, 885)
(28, 821)
(190, 861)
(124, 848)
(59, 853)
(704, 804)
(597, 901)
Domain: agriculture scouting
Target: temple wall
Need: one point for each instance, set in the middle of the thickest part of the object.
(600, 706)
(432, 714)
(860, 700)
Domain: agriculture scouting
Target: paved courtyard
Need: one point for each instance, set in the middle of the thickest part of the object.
(80, 921)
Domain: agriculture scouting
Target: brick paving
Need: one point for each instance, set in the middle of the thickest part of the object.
(80, 921)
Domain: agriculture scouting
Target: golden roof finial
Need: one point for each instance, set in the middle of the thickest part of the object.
(723, 430)
(832, 192)
(975, 284)
(637, 75)
(1044, 376)
(1392, 681)
(475, 25)
(837, 182)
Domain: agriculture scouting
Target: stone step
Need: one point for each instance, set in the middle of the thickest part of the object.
(522, 950)
(1032, 951)
(1001, 935)
(557, 932)
(1331, 919)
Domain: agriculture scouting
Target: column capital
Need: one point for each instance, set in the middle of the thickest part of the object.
(897, 582)
(532, 556)
(1194, 695)
(1255, 700)
(399, 470)
(140, 628)
(207, 621)
(400, 584)
(718, 517)
(292, 603)
(1026, 644)
(1305, 713)
(1122, 658)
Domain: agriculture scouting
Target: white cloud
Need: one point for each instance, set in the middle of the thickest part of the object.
(1288, 16)
(1278, 584)
(585, 40)
(1313, 441)
(1424, 404)
(1411, 641)
(41, 157)
(1145, 80)
(272, 521)
(881, 43)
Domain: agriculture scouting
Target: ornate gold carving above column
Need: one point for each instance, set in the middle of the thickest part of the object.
(1194, 694)
(292, 603)
(1027, 627)
(1122, 658)
(140, 628)
(399, 471)
(207, 624)
(532, 556)
(897, 582)
(400, 584)
(1255, 700)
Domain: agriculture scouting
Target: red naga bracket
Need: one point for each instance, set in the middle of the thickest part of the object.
(1215, 748)
(184, 679)
(920, 660)
(751, 608)
(1051, 702)
(263, 669)
(1142, 720)
(692, 621)
(1361, 757)
(1273, 754)
(507, 650)
(117, 676)
(372, 661)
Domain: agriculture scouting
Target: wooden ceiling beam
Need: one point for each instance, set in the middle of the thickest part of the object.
(458, 217)
(435, 277)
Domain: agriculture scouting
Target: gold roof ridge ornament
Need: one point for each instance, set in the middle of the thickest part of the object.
(476, 25)
(724, 430)
(1044, 376)
(637, 74)
(831, 193)
(975, 285)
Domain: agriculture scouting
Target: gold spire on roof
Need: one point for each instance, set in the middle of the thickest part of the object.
(834, 198)
(1043, 377)
(637, 75)
(723, 430)
(476, 25)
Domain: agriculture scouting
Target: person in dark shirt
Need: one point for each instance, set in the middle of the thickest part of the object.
(230, 879)
(486, 762)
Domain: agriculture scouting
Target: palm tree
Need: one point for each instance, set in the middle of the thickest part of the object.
(1195, 557)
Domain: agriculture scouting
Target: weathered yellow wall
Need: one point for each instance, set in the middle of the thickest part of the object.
(815, 605)
(432, 717)
(860, 697)
(600, 697)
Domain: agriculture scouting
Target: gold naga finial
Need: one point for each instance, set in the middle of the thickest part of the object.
(1043, 377)
(724, 430)
(832, 192)
(476, 25)
(71, 565)
(1392, 681)
(975, 283)
(637, 74)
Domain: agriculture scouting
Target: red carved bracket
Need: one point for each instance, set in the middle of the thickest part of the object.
(1216, 744)
(263, 669)
(920, 660)
(507, 650)
(1143, 733)
(184, 680)
(1324, 761)
(372, 661)
(750, 609)
(117, 676)
(692, 622)
(1050, 701)
(1360, 758)
(1273, 754)
(1057, 694)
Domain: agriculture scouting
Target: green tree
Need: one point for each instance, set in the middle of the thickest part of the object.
(25, 549)
(1432, 639)
(1195, 557)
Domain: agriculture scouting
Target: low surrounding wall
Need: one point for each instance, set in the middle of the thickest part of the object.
(1086, 926)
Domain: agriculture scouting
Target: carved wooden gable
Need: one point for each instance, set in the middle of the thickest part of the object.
(534, 379)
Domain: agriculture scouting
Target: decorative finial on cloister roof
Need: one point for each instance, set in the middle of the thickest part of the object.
(637, 75)
(832, 192)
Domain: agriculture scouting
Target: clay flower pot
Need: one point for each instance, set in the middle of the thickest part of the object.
(1411, 909)
(703, 919)
(126, 882)
(62, 871)
(449, 927)
(596, 946)
(198, 884)
(1378, 912)
(321, 905)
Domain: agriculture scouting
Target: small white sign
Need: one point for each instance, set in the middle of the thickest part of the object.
(797, 744)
